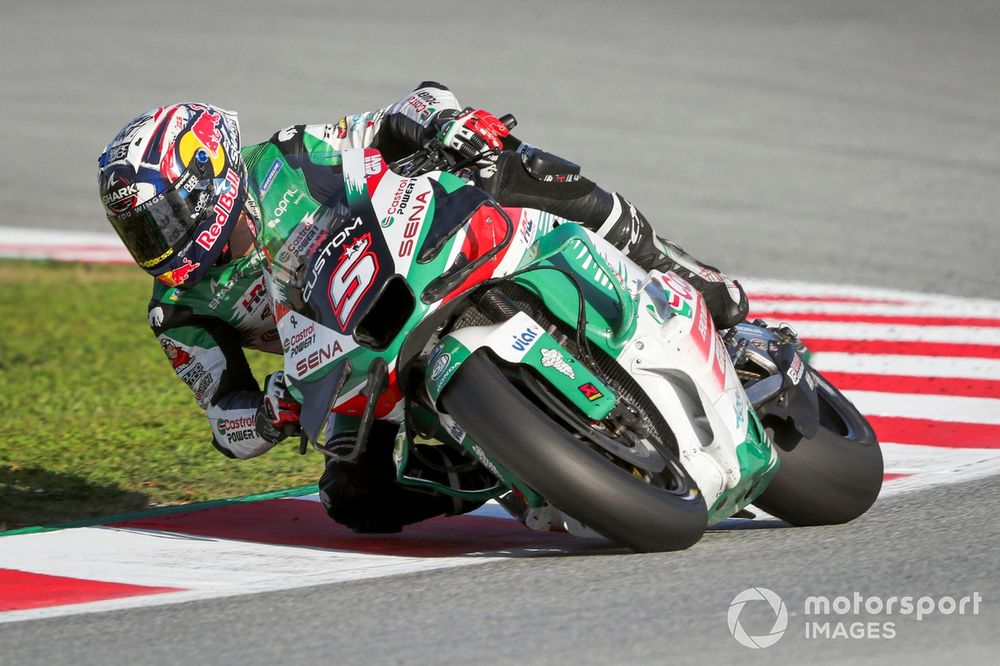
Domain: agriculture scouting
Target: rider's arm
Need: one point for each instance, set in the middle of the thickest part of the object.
(208, 357)
(396, 130)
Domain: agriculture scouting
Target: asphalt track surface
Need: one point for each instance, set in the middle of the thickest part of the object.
(849, 142)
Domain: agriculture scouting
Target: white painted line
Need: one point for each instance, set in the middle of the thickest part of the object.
(896, 332)
(90, 247)
(206, 567)
(932, 466)
(58, 237)
(911, 366)
(935, 407)
(944, 309)
(762, 285)
(915, 459)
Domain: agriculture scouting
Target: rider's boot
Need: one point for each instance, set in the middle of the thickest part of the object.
(536, 179)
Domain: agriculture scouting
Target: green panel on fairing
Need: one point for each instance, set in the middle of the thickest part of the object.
(758, 465)
(451, 182)
(565, 374)
(321, 152)
(446, 359)
(610, 309)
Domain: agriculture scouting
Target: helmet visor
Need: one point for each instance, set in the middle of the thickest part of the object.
(155, 229)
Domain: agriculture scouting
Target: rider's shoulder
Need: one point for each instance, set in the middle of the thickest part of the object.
(203, 299)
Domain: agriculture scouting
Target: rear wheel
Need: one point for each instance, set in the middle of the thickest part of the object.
(632, 507)
(828, 479)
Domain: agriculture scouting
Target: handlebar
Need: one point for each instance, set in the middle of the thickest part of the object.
(432, 156)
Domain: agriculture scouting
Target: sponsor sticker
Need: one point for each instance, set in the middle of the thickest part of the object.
(553, 358)
(271, 173)
(795, 370)
(440, 364)
(523, 340)
(179, 357)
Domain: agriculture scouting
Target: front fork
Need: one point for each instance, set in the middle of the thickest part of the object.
(773, 367)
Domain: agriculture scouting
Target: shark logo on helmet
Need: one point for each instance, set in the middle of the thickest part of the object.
(122, 197)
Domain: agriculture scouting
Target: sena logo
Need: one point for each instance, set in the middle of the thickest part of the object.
(412, 224)
(318, 358)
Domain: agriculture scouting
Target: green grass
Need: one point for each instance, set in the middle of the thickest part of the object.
(93, 420)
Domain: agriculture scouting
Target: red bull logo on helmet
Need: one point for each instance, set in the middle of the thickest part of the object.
(206, 128)
(203, 134)
(223, 209)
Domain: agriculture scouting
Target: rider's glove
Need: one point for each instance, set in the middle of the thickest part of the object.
(472, 133)
(278, 414)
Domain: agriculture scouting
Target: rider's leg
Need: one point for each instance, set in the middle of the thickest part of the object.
(616, 219)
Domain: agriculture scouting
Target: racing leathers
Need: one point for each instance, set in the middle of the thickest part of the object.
(204, 328)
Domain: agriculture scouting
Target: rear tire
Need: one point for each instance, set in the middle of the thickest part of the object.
(831, 478)
(579, 481)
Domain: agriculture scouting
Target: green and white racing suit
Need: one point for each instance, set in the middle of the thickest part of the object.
(204, 329)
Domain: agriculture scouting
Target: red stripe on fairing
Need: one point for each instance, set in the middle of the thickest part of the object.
(889, 476)
(305, 524)
(904, 320)
(481, 236)
(825, 299)
(925, 432)
(373, 179)
(21, 590)
(903, 348)
(951, 386)
(387, 401)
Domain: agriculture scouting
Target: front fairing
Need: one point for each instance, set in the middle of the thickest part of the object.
(352, 277)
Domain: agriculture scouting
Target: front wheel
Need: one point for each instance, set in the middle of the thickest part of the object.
(828, 479)
(588, 485)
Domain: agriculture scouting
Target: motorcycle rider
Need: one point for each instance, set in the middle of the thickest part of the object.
(176, 188)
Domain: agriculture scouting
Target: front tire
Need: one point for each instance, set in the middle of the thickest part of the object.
(831, 478)
(578, 480)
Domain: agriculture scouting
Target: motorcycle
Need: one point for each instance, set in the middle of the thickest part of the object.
(594, 395)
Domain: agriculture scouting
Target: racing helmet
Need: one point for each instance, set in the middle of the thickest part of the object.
(172, 182)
